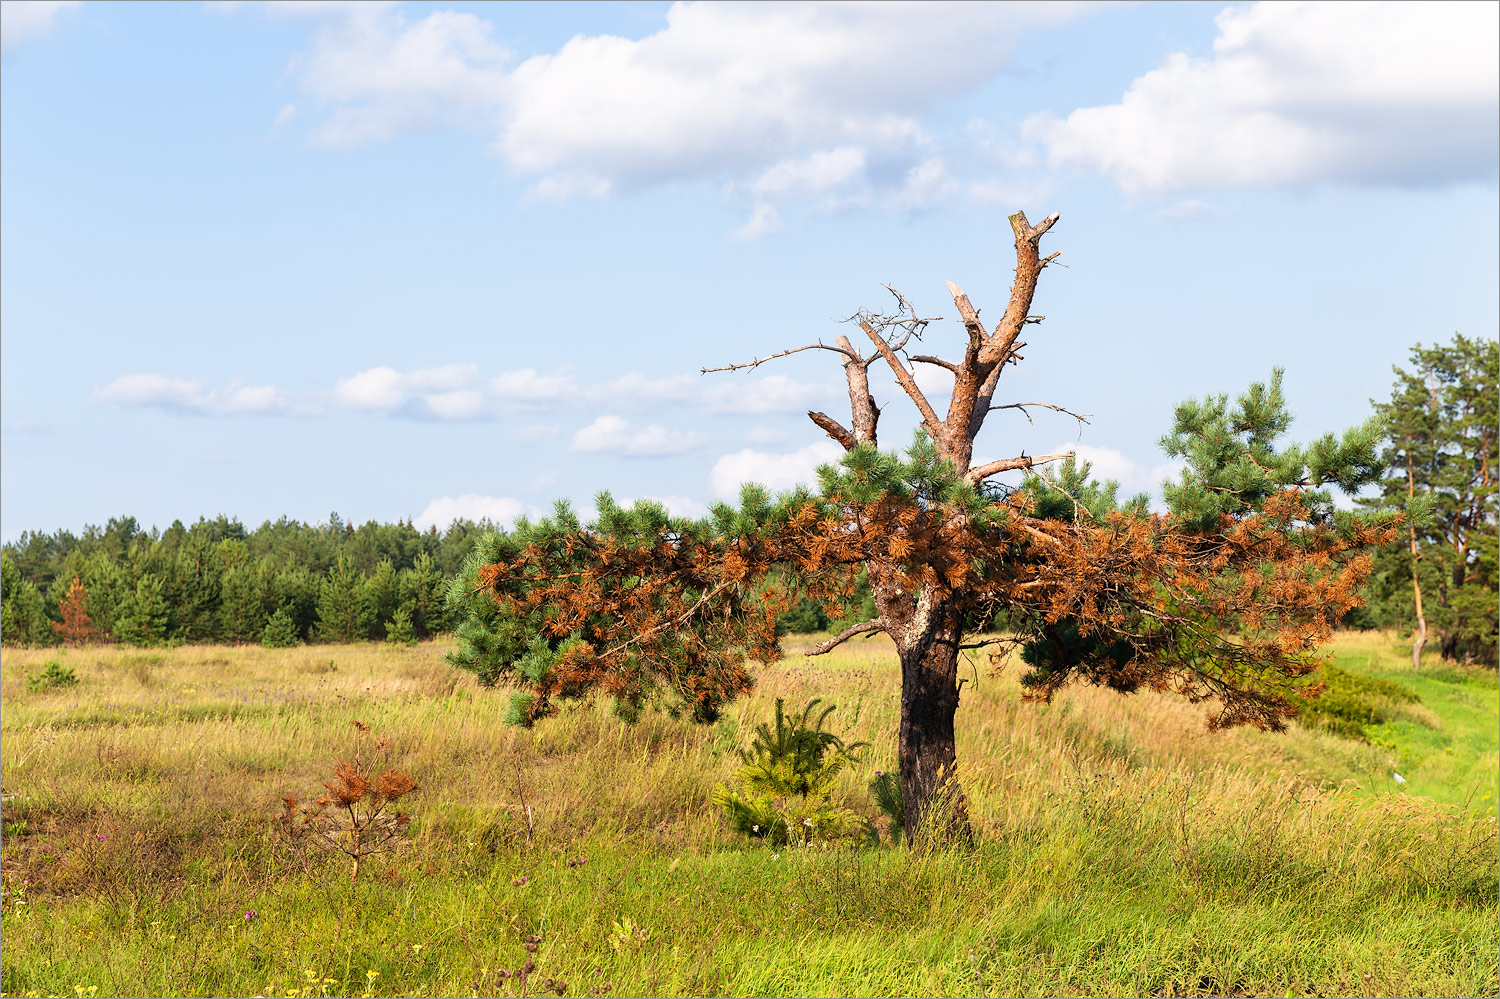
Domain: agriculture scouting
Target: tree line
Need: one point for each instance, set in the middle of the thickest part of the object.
(281, 584)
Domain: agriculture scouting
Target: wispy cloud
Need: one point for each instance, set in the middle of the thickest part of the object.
(29, 21)
(614, 435)
(188, 396)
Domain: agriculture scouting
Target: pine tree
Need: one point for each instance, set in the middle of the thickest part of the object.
(280, 632)
(344, 613)
(1442, 426)
(75, 626)
(427, 590)
(399, 630)
(242, 600)
(1225, 598)
(383, 592)
(145, 620)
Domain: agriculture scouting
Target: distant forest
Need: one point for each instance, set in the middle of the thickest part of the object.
(283, 583)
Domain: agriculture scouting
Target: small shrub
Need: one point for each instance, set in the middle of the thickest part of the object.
(280, 632)
(784, 787)
(54, 676)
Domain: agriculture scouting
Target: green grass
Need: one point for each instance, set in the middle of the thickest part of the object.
(1122, 848)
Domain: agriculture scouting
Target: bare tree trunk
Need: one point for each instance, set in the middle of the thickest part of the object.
(1416, 584)
(933, 801)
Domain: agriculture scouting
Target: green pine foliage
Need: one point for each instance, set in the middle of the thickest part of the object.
(1236, 457)
(1066, 491)
(145, 616)
(23, 614)
(783, 794)
(886, 790)
(54, 676)
(345, 611)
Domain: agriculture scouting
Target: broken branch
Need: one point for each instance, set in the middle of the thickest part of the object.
(845, 635)
(1010, 464)
(820, 345)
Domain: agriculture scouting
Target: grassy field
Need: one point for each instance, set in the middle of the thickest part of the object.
(1122, 850)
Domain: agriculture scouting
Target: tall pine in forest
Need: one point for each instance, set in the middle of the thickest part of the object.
(23, 615)
(146, 614)
(1441, 460)
(344, 612)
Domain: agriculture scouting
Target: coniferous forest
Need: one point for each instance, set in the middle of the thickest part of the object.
(283, 583)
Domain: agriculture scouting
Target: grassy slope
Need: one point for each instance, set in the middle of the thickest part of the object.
(1124, 849)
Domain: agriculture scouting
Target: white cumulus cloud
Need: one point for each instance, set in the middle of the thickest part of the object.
(381, 74)
(611, 434)
(775, 471)
(1304, 93)
(803, 101)
(501, 511)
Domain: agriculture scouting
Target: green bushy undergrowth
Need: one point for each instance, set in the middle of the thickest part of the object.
(54, 676)
(1350, 704)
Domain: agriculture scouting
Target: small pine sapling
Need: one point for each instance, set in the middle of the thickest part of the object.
(54, 676)
(399, 629)
(356, 817)
(784, 793)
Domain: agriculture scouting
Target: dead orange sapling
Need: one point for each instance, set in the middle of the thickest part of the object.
(356, 817)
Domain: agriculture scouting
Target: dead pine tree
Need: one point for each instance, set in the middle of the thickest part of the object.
(1224, 598)
(928, 632)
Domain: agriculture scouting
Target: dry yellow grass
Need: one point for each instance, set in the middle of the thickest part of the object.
(146, 793)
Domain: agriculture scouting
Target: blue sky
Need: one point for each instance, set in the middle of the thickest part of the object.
(429, 260)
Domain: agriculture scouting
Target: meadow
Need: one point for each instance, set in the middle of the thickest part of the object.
(1122, 848)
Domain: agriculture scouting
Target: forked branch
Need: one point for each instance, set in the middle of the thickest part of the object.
(1023, 406)
(905, 380)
